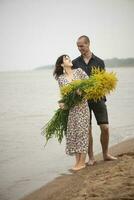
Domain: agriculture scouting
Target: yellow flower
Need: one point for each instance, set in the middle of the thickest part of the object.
(97, 86)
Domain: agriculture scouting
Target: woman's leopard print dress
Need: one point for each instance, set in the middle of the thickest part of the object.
(78, 120)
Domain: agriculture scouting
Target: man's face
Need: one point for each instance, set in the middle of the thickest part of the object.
(83, 46)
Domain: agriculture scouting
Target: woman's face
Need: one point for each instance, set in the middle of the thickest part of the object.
(67, 61)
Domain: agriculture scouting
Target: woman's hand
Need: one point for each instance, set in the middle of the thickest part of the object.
(79, 92)
(62, 105)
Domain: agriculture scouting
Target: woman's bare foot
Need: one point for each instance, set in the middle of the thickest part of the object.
(76, 168)
(109, 158)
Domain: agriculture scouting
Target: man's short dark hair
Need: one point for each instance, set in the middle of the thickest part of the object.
(85, 37)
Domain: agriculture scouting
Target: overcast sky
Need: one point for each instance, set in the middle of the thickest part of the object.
(35, 32)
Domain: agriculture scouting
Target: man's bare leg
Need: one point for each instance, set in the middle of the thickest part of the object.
(90, 149)
(104, 138)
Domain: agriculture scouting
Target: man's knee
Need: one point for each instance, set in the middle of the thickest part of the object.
(90, 132)
(104, 128)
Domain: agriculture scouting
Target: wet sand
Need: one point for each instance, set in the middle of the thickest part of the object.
(111, 180)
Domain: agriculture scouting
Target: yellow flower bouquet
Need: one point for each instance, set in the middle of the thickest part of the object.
(94, 88)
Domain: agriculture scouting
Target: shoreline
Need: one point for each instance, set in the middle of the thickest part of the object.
(102, 181)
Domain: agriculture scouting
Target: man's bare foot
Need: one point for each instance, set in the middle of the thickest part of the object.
(109, 158)
(78, 167)
(91, 162)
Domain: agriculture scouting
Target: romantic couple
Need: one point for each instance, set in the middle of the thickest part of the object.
(79, 139)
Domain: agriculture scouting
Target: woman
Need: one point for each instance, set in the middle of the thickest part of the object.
(78, 119)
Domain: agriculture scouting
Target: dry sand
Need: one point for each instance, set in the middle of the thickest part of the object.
(111, 180)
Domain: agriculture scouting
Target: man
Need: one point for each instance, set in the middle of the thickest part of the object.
(86, 61)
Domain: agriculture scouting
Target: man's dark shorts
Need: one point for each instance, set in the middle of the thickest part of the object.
(99, 109)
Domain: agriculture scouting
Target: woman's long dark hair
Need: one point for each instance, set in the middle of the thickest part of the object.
(58, 68)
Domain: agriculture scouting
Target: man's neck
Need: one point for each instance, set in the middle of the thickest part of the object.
(87, 57)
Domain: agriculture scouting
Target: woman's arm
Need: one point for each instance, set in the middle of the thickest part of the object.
(82, 74)
(60, 82)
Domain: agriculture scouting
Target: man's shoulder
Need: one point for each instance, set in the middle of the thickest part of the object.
(94, 57)
(98, 58)
(99, 61)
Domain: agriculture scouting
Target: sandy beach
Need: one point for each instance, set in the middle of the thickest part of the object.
(111, 180)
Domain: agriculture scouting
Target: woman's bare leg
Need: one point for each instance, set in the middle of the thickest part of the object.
(82, 159)
(77, 157)
(81, 163)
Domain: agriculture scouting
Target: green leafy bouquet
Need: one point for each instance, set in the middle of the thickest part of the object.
(94, 88)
